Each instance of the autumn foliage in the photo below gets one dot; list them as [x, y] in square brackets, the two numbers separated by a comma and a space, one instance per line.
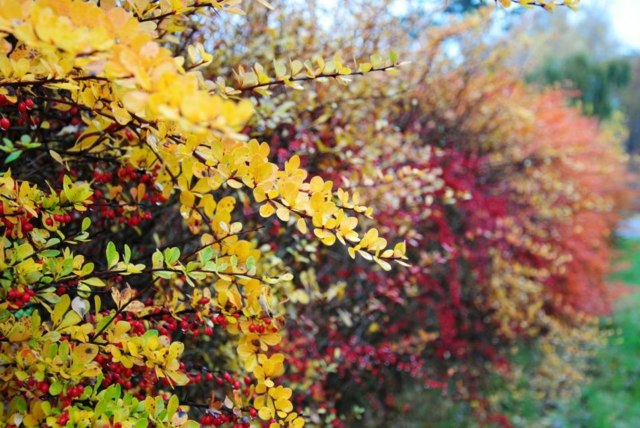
[192, 238]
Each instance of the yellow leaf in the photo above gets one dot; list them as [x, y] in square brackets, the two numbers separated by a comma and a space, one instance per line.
[84, 353]
[267, 210]
[187, 198]
[60, 309]
[135, 306]
[265, 413]
[301, 225]
[283, 213]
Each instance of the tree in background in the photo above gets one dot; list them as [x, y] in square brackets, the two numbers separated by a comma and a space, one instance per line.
[464, 6]
[631, 106]
[581, 52]
[598, 85]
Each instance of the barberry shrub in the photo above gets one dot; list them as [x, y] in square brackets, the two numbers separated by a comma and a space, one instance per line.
[176, 231]
[506, 198]
[139, 284]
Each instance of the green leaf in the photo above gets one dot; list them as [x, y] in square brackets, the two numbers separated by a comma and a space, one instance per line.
[151, 333]
[19, 404]
[86, 393]
[86, 222]
[112, 255]
[23, 251]
[55, 388]
[93, 282]
[164, 274]
[50, 253]
[87, 268]
[31, 145]
[393, 57]
[66, 267]
[157, 259]
[172, 406]
[159, 407]
[191, 266]
[127, 254]
[103, 322]
[142, 423]
[63, 350]
[206, 254]
[101, 408]
[13, 156]
[171, 255]
[53, 241]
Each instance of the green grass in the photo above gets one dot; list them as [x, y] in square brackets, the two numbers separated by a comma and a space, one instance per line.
[629, 261]
[612, 399]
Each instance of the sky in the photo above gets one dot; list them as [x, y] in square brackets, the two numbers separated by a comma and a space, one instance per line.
[625, 17]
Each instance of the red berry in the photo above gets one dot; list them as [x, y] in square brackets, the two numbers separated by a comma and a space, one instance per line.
[29, 103]
[5, 123]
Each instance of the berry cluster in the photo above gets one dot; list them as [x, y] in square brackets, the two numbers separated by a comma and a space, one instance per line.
[125, 197]
[19, 297]
[24, 108]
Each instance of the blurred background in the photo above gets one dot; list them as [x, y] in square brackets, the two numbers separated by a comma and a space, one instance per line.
[593, 56]
[505, 152]
[594, 52]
